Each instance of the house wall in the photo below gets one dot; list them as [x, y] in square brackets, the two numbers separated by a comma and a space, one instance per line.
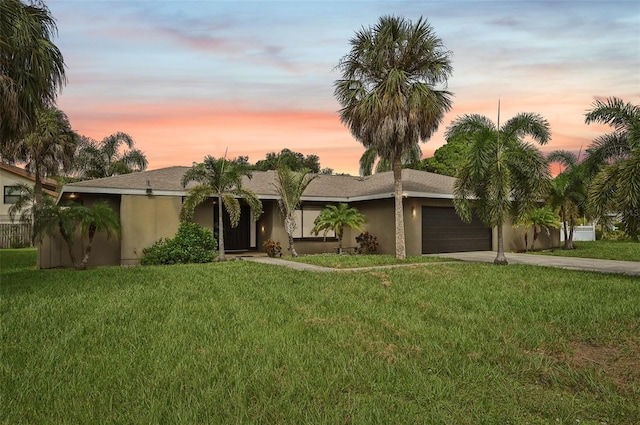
[145, 219]
[514, 238]
[53, 251]
[9, 179]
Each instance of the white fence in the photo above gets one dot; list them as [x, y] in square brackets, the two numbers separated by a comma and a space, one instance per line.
[581, 233]
[15, 235]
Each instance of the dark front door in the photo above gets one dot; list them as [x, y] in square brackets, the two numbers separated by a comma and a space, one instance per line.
[238, 238]
[444, 231]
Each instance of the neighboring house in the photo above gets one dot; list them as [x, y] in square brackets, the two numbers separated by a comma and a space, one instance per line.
[10, 177]
[149, 205]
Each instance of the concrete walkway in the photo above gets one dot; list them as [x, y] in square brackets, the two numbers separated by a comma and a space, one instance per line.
[570, 263]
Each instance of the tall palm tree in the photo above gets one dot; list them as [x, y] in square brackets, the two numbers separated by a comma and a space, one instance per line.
[503, 175]
[615, 158]
[410, 159]
[290, 186]
[568, 192]
[390, 95]
[222, 180]
[336, 218]
[109, 157]
[31, 67]
[48, 148]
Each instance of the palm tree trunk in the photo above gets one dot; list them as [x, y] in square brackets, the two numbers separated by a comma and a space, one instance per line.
[340, 234]
[221, 256]
[399, 210]
[500, 260]
[292, 249]
[87, 252]
[289, 227]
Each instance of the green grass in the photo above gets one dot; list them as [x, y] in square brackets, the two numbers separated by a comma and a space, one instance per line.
[353, 261]
[606, 250]
[241, 342]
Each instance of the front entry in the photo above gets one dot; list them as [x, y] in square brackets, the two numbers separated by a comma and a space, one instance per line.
[238, 238]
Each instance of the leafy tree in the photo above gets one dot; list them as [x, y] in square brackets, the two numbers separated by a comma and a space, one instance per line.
[502, 175]
[389, 93]
[538, 219]
[31, 67]
[295, 161]
[222, 180]
[290, 186]
[447, 159]
[51, 219]
[615, 158]
[568, 192]
[411, 159]
[109, 157]
[48, 148]
[336, 218]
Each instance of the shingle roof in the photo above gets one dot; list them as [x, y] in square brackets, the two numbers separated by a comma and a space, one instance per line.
[167, 181]
[49, 186]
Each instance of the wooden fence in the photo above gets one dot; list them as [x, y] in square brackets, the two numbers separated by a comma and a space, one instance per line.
[15, 235]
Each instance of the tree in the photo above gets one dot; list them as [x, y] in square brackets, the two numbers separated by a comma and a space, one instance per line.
[295, 161]
[389, 93]
[51, 219]
[222, 180]
[503, 175]
[615, 160]
[47, 149]
[290, 186]
[106, 158]
[31, 67]
[568, 192]
[411, 159]
[336, 218]
[538, 219]
[447, 159]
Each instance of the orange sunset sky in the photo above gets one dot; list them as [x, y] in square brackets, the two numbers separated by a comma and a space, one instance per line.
[190, 78]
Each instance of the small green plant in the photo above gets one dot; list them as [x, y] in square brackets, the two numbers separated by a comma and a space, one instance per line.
[191, 244]
[273, 248]
[367, 243]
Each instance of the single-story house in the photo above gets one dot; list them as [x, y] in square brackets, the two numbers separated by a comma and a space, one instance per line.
[11, 177]
[149, 205]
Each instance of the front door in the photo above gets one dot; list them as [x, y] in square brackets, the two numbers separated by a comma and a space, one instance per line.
[238, 238]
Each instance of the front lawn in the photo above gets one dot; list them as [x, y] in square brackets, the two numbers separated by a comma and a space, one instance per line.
[606, 250]
[354, 261]
[241, 342]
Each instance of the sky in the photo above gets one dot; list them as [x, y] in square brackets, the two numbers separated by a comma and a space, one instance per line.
[188, 79]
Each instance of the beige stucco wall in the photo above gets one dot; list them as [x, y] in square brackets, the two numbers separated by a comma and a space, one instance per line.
[145, 219]
[53, 252]
[514, 238]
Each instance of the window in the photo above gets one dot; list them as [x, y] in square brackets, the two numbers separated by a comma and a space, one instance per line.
[304, 221]
[12, 194]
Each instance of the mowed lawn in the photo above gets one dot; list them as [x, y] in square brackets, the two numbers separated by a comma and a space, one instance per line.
[603, 249]
[241, 342]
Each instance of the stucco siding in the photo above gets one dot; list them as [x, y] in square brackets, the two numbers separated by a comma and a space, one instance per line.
[145, 219]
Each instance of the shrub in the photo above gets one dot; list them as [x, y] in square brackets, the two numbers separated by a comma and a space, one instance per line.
[273, 248]
[191, 244]
[367, 243]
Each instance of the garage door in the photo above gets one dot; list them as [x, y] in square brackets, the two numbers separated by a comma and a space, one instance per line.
[444, 231]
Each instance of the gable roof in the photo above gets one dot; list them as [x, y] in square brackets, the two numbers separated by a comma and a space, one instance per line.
[338, 188]
[49, 186]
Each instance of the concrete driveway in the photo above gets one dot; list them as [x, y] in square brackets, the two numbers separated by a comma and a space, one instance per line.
[588, 264]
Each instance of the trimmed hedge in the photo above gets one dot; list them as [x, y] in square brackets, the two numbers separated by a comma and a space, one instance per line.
[191, 244]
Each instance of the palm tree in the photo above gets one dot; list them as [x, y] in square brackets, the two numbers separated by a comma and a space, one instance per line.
[106, 158]
[48, 148]
[290, 186]
[568, 192]
[538, 219]
[335, 218]
[410, 159]
[389, 93]
[31, 67]
[502, 175]
[615, 158]
[221, 179]
[64, 220]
